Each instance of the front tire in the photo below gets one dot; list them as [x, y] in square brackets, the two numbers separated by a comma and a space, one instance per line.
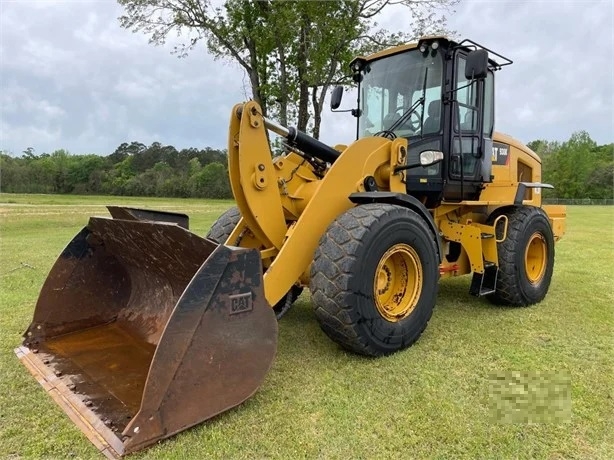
[374, 279]
[526, 258]
[221, 230]
[224, 225]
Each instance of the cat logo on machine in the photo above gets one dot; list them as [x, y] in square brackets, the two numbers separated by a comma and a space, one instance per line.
[240, 303]
[500, 153]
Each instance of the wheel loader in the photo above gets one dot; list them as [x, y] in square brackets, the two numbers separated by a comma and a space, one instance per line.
[144, 328]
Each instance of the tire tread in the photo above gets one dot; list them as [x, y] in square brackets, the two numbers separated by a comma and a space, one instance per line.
[224, 225]
[507, 291]
[332, 270]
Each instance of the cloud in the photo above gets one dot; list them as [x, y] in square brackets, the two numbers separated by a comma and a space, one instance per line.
[71, 78]
[562, 79]
[560, 50]
[90, 87]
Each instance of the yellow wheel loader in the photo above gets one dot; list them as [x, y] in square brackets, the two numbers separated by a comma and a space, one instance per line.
[143, 328]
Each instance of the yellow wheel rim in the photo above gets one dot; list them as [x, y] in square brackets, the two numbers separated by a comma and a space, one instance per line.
[535, 258]
[398, 282]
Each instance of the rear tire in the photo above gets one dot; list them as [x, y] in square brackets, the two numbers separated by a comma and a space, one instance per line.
[221, 230]
[374, 279]
[526, 258]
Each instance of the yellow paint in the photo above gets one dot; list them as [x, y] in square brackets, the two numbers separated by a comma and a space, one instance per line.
[557, 215]
[328, 201]
[252, 176]
[536, 258]
[464, 223]
[470, 236]
[398, 282]
[287, 205]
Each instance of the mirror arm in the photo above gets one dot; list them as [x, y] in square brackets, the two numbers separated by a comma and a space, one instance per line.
[406, 167]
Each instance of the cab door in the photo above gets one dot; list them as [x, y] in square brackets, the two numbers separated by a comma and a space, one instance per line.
[470, 133]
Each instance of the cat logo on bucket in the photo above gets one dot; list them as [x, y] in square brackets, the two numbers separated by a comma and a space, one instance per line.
[240, 303]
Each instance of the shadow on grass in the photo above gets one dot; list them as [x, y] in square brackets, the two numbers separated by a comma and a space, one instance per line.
[454, 294]
[301, 337]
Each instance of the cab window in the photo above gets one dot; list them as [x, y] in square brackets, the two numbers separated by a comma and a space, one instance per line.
[393, 85]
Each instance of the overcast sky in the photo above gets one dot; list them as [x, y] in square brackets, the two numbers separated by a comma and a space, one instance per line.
[71, 78]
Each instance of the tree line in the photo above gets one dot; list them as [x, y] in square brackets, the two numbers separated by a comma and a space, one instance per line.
[132, 169]
[578, 168]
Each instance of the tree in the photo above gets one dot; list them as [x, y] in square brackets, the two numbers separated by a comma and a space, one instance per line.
[125, 150]
[543, 147]
[211, 182]
[577, 168]
[292, 51]
[13, 174]
[84, 173]
[600, 182]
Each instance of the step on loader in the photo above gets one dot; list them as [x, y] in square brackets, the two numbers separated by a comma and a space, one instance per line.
[144, 328]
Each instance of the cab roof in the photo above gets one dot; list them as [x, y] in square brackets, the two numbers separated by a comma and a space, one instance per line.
[446, 42]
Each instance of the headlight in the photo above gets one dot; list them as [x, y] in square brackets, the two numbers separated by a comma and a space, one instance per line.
[430, 157]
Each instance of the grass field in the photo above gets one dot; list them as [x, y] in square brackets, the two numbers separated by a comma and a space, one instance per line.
[434, 400]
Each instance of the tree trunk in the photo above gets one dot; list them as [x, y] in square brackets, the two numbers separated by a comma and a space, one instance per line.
[303, 94]
[283, 97]
[316, 102]
[254, 76]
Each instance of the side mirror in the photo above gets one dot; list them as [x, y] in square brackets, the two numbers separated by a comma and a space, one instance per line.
[476, 67]
[335, 98]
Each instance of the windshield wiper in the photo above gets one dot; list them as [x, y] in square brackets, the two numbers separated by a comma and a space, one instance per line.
[412, 109]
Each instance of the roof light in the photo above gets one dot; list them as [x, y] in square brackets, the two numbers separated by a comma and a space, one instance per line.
[358, 64]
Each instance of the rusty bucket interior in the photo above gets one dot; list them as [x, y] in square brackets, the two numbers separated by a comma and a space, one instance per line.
[139, 319]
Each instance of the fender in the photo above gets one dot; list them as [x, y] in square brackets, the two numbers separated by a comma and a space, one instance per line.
[523, 186]
[401, 199]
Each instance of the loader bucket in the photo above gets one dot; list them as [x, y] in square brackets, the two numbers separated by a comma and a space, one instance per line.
[143, 329]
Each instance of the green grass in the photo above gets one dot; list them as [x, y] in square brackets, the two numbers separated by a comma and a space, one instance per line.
[431, 401]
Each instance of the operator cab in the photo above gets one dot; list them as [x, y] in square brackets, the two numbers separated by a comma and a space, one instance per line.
[440, 96]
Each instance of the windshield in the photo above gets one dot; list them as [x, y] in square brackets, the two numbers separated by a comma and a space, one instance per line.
[392, 85]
